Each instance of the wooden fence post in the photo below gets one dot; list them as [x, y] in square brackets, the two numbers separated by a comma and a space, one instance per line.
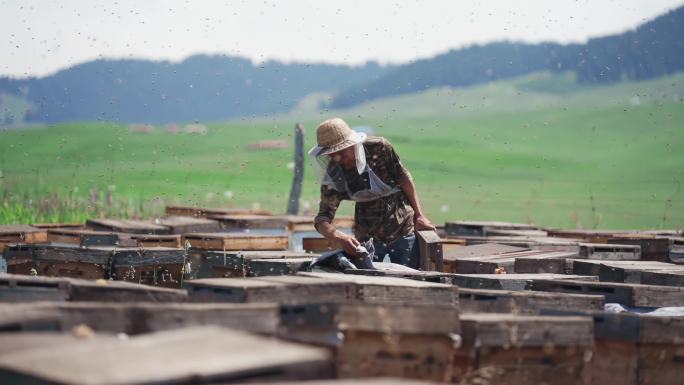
[296, 191]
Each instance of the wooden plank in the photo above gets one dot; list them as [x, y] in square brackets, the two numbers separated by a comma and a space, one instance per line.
[652, 248]
[69, 225]
[613, 362]
[284, 266]
[282, 289]
[15, 288]
[318, 244]
[140, 358]
[152, 240]
[192, 211]
[482, 228]
[372, 354]
[524, 302]
[430, 251]
[533, 243]
[635, 295]
[660, 364]
[155, 266]
[429, 276]
[454, 256]
[126, 226]
[606, 251]
[393, 290]
[542, 264]
[188, 224]
[232, 222]
[21, 234]
[663, 278]
[589, 236]
[500, 330]
[388, 318]
[633, 272]
[236, 241]
[83, 237]
[510, 281]
[137, 318]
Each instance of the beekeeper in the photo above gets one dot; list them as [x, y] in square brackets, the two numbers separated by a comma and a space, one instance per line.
[353, 166]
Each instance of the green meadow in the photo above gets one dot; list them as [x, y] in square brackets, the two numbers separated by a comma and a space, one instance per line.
[537, 149]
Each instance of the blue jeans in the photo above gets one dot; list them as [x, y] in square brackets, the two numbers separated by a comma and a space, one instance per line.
[403, 251]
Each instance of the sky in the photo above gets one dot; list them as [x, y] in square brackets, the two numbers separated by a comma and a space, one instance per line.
[42, 37]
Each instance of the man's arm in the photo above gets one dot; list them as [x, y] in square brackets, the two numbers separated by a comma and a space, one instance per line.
[330, 200]
[421, 222]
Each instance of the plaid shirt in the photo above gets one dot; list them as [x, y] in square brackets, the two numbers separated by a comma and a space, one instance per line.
[384, 219]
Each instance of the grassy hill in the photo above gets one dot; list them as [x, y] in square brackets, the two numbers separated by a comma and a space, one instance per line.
[533, 149]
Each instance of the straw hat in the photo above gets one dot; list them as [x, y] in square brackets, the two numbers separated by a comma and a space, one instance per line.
[335, 134]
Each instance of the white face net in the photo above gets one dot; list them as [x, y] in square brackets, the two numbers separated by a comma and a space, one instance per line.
[331, 174]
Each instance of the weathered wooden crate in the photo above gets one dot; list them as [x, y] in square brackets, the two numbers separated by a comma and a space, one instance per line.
[653, 248]
[379, 340]
[388, 290]
[589, 236]
[155, 266]
[635, 349]
[216, 264]
[605, 251]
[58, 260]
[192, 211]
[218, 355]
[22, 288]
[126, 226]
[514, 349]
[83, 237]
[429, 276]
[282, 289]
[634, 295]
[454, 256]
[236, 241]
[430, 251]
[524, 302]
[634, 272]
[503, 263]
[236, 222]
[482, 229]
[137, 317]
[271, 266]
[544, 264]
[152, 240]
[533, 243]
[10, 234]
[510, 281]
[318, 244]
[187, 224]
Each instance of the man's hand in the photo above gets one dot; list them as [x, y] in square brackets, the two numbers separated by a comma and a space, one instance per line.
[421, 222]
[348, 242]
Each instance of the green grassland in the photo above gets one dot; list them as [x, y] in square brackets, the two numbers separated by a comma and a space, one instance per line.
[535, 149]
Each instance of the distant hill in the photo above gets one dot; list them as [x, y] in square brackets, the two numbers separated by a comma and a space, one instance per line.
[207, 88]
[199, 88]
[654, 49]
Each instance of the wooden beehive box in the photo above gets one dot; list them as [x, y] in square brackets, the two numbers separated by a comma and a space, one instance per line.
[318, 244]
[155, 266]
[216, 264]
[452, 257]
[510, 281]
[388, 290]
[283, 289]
[636, 271]
[634, 295]
[21, 234]
[524, 302]
[22, 288]
[483, 228]
[58, 260]
[236, 241]
[605, 251]
[192, 211]
[514, 349]
[653, 248]
[373, 340]
[126, 226]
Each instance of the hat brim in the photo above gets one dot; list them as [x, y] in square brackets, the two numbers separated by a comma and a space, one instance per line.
[354, 138]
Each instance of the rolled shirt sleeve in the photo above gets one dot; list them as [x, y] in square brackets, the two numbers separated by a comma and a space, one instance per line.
[330, 201]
